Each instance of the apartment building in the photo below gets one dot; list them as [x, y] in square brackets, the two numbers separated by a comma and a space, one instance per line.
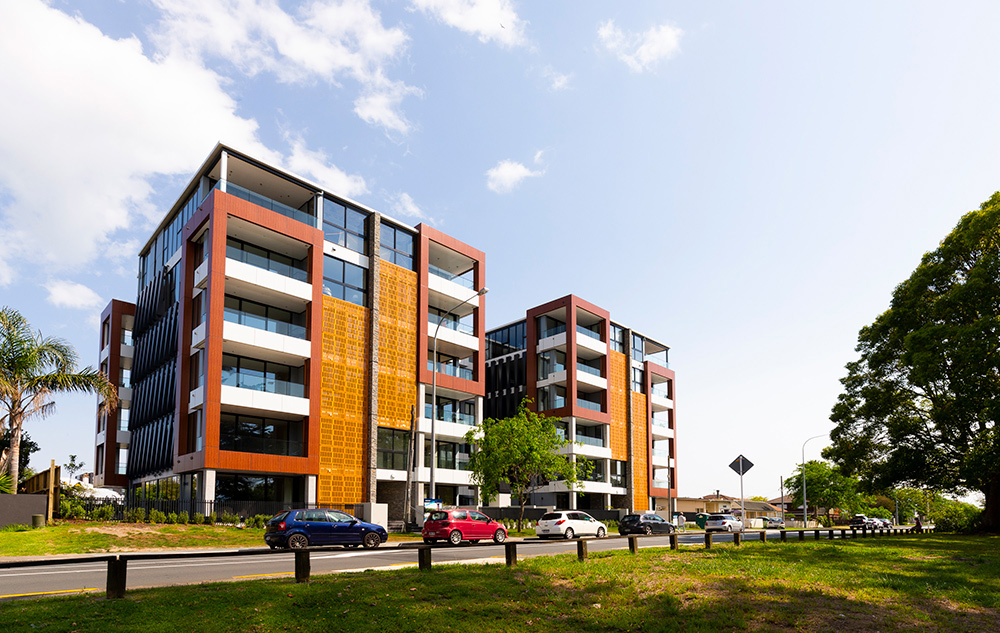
[611, 388]
[281, 350]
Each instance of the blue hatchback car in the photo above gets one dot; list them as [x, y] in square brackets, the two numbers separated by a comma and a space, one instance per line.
[301, 528]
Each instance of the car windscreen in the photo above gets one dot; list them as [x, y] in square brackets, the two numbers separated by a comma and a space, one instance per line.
[437, 516]
[551, 516]
[630, 518]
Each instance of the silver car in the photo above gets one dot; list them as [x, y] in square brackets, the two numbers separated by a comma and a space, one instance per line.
[723, 523]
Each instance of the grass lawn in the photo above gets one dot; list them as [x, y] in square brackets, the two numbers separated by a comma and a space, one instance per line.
[931, 583]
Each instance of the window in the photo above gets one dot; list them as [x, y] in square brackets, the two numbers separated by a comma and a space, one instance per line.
[123, 419]
[105, 333]
[396, 246]
[250, 373]
[617, 338]
[99, 460]
[344, 280]
[264, 317]
[122, 459]
[450, 456]
[249, 434]
[344, 225]
[638, 348]
[619, 473]
[268, 260]
[638, 380]
[393, 445]
[194, 432]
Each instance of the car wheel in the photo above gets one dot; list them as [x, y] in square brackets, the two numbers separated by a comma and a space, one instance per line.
[570, 533]
[601, 532]
[298, 541]
[371, 540]
[499, 536]
[729, 528]
[430, 540]
[670, 528]
[455, 537]
[648, 530]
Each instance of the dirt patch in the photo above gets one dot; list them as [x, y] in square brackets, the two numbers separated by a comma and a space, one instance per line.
[121, 530]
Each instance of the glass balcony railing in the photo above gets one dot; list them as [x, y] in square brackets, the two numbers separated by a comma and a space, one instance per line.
[661, 483]
[263, 201]
[661, 453]
[126, 337]
[258, 382]
[595, 476]
[451, 324]
[451, 416]
[263, 323]
[552, 402]
[262, 445]
[587, 404]
[590, 441]
[588, 369]
[261, 261]
[451, 370]
[552, 331]
[461, 280]
[661, 390]
[618, 481]
[588, 333]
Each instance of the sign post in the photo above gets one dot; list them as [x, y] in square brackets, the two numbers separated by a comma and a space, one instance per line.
[741, 465]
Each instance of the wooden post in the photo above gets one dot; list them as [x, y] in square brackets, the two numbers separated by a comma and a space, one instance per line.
[581, 550]
[843, 533]
[424, 556]
[673, 540]
[510, 549]
[815, 535]
[737, 538]
[802, 535]
[763, 536]
[302, 565]
[117, 571]
[51, 493]
[633, 544]
[708, 540]
[784, 536]
[830, 535]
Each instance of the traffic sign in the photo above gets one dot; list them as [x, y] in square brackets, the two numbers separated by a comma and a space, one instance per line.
[741, 465]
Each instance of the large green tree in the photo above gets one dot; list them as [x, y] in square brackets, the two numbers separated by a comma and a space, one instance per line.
[826, 488]
[521, 451]
[27, 448]
[32, 369]
[920, 406]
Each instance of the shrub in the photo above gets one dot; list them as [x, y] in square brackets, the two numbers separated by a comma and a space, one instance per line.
[198, 518]
[259, 521]
[104, 513]
[210, 519]
[157, 516]
[182, 518]
[228, 518]
[171, 518]
[956, 517]
[64, 509]
[137, 515]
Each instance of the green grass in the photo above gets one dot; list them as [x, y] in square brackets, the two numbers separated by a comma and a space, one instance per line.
[932, 583]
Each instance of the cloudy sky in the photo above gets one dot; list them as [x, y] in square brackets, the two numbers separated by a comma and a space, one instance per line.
[745, 183]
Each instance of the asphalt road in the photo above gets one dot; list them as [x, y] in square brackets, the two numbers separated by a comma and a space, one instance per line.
[91, 576]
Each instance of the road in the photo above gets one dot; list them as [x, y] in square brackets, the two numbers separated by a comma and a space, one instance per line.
[92, 576]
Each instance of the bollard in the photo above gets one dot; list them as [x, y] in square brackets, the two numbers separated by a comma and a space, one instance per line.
[37, 520]
[117, 570]
[854, 532]
[784, 536]
[763, 536]
[802, 535]
[581, 550]
[424, 557]
[301, 565]
[737, 538]
[815, 535]
[830, 535]
[673, 540]
[510, 549]
[633, 544]
[843, 533]
[708, 540]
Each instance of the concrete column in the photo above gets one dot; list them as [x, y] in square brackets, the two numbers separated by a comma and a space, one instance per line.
[311, 489]
[319, 210]
[206, 491]
[223, 170]
[374, 287]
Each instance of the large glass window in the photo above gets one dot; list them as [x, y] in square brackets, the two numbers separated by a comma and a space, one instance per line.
[250, 373]
[253, 488]
[263, 317]
[268, 260]
[248, 434]
[505, 340]
[617, 338]
[344, 225]
[638, 380]
[451, 410]
[619, 473]
[393, 445]
[344, 280]
[396, 246]
[638, 348]
[450, 455]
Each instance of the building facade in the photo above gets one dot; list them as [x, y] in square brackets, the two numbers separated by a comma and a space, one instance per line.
[611, 388]
[280, 350]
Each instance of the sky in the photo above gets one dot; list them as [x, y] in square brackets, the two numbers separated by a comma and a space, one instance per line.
[744, 182]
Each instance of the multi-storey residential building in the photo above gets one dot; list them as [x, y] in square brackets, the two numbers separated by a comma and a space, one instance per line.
[281, 349]
[610, 386]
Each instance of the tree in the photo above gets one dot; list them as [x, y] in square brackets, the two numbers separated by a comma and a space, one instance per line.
[920, 406]
[28, 447]
[73, 467]
[521, 451]
[826, 488]
[32, 369]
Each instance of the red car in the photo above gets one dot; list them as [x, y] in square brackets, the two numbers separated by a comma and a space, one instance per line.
[456, 526]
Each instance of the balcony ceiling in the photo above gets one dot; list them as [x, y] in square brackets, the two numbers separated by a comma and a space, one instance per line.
[263, 182]
[447, 259]
[265, 238]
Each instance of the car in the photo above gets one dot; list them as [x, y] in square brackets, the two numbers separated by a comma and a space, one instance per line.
[723, 523]
[456, 526]
[882, 523]
[647, 523]
[862, 522]
[295, 529]
[568, 524]
[773, 522]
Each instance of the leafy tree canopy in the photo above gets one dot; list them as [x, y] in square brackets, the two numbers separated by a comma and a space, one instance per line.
[920, 405]
[28, 446]
[826, 488]
[521, 451]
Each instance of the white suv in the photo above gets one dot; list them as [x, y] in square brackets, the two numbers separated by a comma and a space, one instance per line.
[723, 523]
[567, 524]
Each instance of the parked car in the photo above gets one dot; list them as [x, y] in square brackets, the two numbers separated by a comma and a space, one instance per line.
[456, 526]
[883, 523]
[723, 523]
[296, 529]
[860, 521]
[647, 523]
[567, 524]
[773, 522]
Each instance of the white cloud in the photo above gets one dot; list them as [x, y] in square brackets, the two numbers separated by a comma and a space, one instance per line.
[69, 294]
[557, 81]
[315, 164]
[489, 20]
[641, 51]
[507, 175]
[403, 205]
[325, 39]
[95, 120]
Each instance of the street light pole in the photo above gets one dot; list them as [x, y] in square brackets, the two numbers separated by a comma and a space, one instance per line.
[434, 390]
[805, 504]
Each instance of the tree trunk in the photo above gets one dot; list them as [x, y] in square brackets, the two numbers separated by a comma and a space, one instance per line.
[991, 511]
[15, 455]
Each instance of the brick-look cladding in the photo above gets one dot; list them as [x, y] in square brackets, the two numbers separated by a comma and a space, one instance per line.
[619, 382]
[343, 452]
[640, 453]
[397, 384]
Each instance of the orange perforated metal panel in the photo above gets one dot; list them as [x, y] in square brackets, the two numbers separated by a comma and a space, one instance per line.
[618, 389]
[640, 453]
[343, 436]
[397, 353]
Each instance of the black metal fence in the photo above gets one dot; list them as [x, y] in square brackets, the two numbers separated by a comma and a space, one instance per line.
[178, 511]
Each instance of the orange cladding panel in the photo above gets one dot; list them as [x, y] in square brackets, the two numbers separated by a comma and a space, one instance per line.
[640, 453]
[397, 352]
[618, 389]
[343, 448]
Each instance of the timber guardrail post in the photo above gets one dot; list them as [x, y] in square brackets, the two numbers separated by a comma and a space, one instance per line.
[802, 535]
[302, 565]
[737, 538]
[581, 550]
[763, 536]
[784, 536]
[117, 571]
[424, 556]
[673, 541]
[708, 540]
[510, 550]
[829, 535]
[633, 544]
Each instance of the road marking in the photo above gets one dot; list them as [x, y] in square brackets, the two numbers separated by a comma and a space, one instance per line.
[280, 573]
[50, 593]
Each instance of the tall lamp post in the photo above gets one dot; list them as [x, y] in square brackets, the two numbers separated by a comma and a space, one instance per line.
[805, 504]
[434, 389]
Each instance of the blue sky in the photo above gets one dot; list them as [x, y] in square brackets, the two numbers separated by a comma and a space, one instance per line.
[746, 183]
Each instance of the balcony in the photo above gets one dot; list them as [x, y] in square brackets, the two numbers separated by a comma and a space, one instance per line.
[273, 205]
[589, 379]
[661, 429]
[451, 370]
[454, 337]
[465, 279]
[590, 441]
[266, 324]
[262, 445]
[587, 404]
[588, 333]
[455, 417]
[243, 340]
[660, 457]
[266, 283]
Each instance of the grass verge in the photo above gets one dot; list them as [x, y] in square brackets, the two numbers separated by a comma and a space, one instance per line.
[936, 583]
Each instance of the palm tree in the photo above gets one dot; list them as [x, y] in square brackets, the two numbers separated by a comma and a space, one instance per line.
[32, 368]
